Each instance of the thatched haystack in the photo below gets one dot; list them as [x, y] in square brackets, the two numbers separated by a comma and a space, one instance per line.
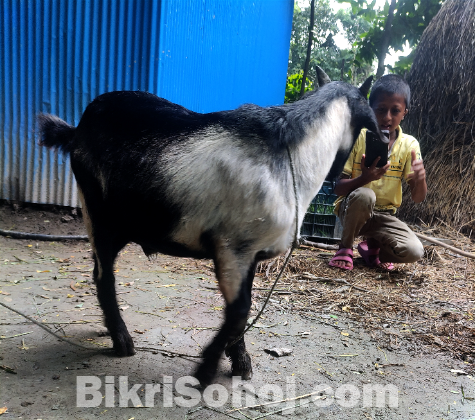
[442, 117]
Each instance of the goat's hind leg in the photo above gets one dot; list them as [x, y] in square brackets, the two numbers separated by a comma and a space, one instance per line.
[106, 244]
[106, 294]
[105, 250]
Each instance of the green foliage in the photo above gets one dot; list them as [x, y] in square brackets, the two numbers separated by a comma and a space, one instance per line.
[411, 17]
[403, 66]
[337, 63]
[324, 26]
[294, 84]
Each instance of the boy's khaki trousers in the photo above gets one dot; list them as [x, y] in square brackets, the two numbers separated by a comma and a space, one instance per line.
[396, 241]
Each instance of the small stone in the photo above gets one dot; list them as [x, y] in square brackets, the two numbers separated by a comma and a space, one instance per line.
[278, 352]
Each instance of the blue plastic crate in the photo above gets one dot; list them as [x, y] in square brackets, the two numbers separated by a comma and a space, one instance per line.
[320, 221]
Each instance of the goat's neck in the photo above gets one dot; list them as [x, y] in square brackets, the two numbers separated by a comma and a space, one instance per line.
[315, 155]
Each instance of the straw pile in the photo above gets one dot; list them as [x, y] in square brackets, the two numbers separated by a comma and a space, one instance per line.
[442, 117]
[427, 307]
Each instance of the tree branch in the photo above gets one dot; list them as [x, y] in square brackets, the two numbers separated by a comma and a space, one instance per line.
[309, 47]
[385, 40]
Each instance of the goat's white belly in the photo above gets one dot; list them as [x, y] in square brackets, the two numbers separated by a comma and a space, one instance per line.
[270, 234]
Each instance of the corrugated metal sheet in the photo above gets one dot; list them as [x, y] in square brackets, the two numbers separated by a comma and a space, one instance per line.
[57, 55]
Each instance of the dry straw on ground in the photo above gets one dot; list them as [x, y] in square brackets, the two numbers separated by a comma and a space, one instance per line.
[442, 116]
[427, 306]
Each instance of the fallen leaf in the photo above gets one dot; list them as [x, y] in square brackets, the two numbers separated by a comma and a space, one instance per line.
[43, 271]
[3, 410]
[130, 283]
[4, 293]
[167, 285]
[69, 295]
[139, 332]
[345, 333]
[72, 286]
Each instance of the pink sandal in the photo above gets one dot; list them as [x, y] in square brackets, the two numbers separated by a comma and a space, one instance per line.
[367, 253]
[343, 254]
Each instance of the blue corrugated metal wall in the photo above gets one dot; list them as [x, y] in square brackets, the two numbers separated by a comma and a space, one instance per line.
[57, 55]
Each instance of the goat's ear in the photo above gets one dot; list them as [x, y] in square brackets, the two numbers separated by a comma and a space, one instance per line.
[323, 78]
[364, 88]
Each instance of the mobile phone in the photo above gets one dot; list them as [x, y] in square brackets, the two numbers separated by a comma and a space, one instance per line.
[374, 148]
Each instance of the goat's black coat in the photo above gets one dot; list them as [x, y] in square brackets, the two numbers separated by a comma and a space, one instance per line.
[214, 185]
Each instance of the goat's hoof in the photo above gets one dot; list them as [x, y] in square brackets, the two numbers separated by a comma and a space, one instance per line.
[123, 344]
[205, 375]
[244, 374]
[243, 367]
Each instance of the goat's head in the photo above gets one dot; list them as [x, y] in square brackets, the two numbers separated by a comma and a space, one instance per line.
[363, 115]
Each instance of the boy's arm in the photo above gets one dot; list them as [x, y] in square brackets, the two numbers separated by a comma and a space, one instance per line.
[417, 179]
[346, 185]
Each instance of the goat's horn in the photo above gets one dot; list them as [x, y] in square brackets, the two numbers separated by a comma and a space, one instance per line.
[364, 88]
[323, 78]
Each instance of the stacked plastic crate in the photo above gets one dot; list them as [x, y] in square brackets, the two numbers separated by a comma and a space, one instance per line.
[320, 221]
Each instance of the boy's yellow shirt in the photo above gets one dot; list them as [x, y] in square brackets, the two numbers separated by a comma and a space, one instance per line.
[388, 189]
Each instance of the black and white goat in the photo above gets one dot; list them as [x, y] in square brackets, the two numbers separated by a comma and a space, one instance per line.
[215, 185]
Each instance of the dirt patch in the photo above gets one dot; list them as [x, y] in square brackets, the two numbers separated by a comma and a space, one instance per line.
[409, 330]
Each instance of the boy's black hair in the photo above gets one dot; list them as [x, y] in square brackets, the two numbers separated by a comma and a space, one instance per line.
[390, 84]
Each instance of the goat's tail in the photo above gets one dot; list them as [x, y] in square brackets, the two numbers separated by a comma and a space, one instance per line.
[56, 133]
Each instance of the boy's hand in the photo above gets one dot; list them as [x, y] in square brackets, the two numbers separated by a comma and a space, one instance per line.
[418, 172]
[417, 179]
[372, 173]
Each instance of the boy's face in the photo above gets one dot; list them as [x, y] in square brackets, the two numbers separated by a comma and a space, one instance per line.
[389, 111]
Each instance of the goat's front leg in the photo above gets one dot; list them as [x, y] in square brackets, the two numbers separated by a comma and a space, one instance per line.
[241, 361]
[236, 289]
[234, 324]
